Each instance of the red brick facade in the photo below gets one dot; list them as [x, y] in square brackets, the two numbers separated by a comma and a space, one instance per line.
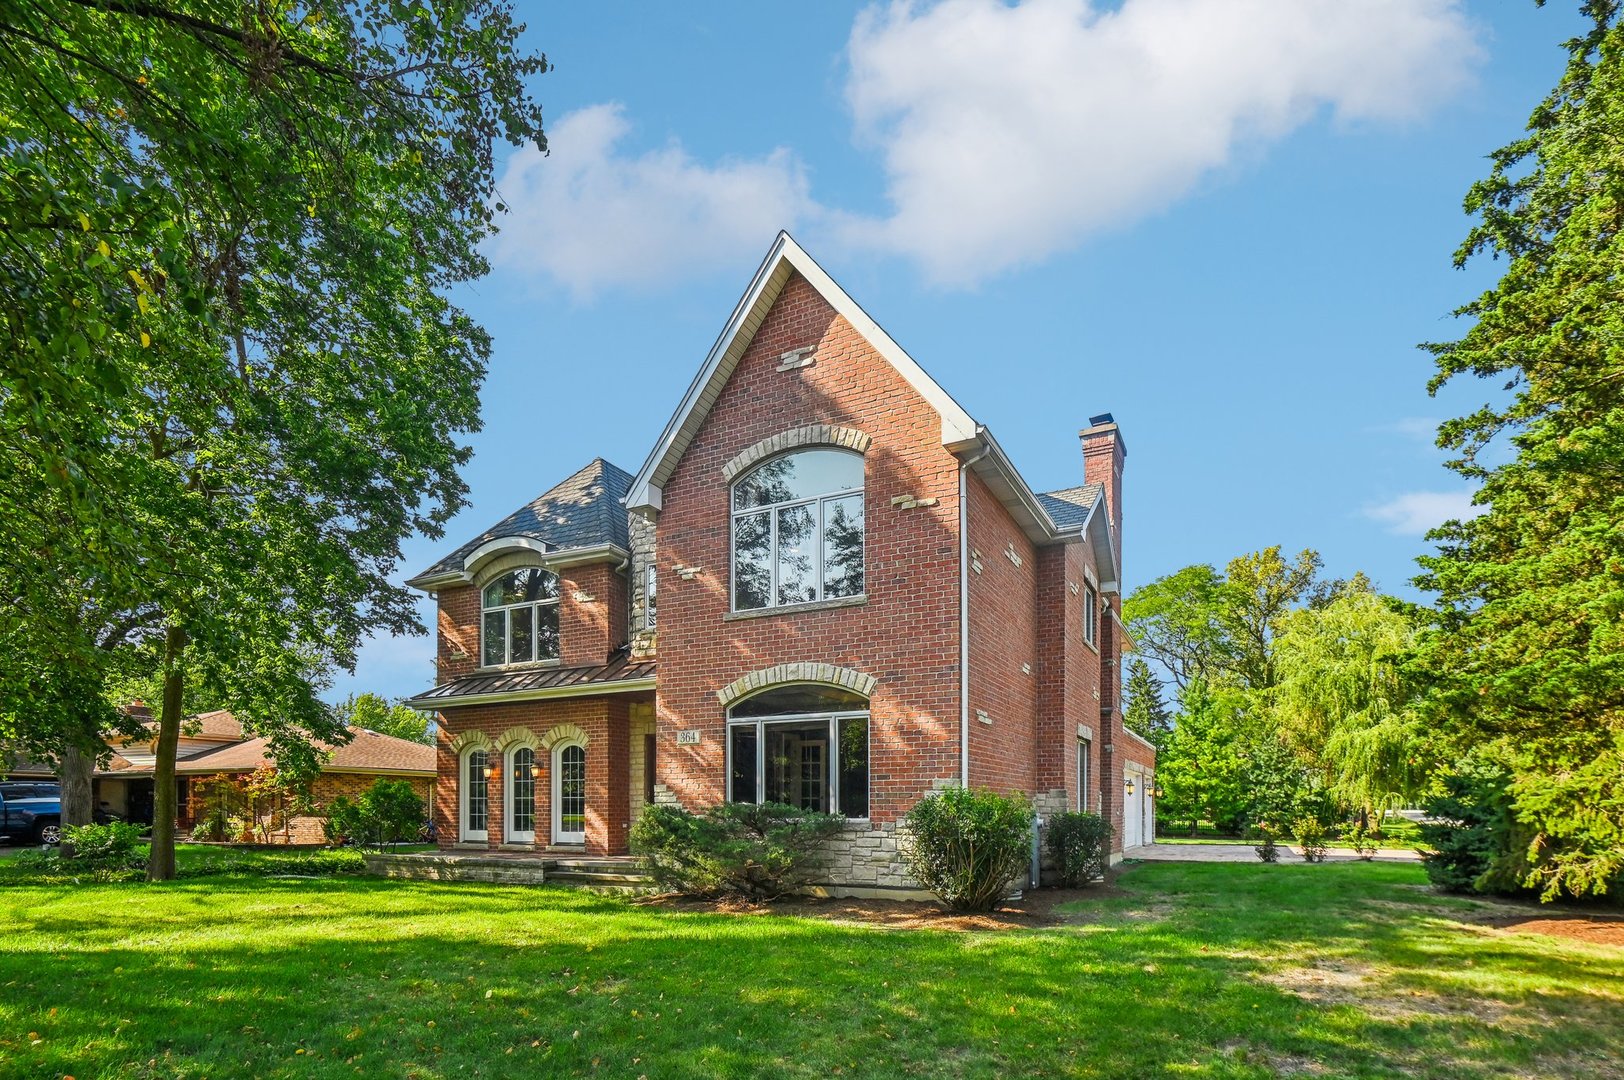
[1036, 687]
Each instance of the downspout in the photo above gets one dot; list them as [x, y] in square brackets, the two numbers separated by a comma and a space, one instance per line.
[964, 615]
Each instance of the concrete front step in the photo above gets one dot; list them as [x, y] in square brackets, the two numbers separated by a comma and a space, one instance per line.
[602, 874]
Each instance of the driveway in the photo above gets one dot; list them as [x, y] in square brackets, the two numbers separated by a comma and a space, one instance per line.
[1244, 853]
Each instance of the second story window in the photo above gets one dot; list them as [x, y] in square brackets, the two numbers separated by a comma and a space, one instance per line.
[1091, 614]
[520, 618]
[798, 530]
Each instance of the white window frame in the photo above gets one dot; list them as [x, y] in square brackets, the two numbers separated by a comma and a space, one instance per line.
[760, 723]
[507, 611]
[772, 510]
[559, 835]
[1091, 614]
[510, 778]
[463, 831]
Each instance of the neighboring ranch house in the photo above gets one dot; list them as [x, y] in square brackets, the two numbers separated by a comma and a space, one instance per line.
[826, 586]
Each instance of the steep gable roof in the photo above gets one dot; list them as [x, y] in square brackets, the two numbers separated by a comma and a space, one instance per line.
[582, 512]
[785, 258]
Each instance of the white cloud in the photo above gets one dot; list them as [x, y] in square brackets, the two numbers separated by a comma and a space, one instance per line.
[1010, 133]
[590, 215]
[1417, 512]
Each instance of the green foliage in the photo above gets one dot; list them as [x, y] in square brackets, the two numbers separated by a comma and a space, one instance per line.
[1080, 844]
[1200, 767]
[1310, 836]
[1262, 838]
[1342, 703]
[967, 845]
[1527, 651]
[385, 814]
[232, 381]
[761, 851]
[115, 845]
[374, 713]
[1471, 830]
[1361, 838]
[1177, 621]
[1145, 713]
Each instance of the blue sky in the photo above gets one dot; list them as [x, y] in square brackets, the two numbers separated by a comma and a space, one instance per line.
[1228, 222]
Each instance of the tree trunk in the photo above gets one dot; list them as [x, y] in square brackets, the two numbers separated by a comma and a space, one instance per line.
[161, 864]
[75, 768]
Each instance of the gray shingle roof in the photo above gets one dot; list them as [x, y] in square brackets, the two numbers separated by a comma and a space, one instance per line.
[580, 512]
[1069, 506]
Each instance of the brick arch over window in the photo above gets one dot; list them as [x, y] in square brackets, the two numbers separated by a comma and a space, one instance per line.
[810, 435]
[471, 740]
[782, 674]
[516, 738]
[563, 733]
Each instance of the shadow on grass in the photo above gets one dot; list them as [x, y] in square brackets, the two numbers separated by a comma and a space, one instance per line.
[394, 979]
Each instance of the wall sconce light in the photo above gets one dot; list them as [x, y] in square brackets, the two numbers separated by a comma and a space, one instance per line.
[490, 770]
[1156, 792]
[1129, 784]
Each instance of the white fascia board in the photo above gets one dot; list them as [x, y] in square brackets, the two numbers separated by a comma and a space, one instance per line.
[785, 254]
[1006, 482]
[431, 583]
[624, 686]
[558, 560]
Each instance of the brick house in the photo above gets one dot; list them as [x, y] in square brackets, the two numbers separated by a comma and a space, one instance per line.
[827, 585]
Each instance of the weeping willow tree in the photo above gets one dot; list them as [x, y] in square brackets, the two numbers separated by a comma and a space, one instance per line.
[1341, 702]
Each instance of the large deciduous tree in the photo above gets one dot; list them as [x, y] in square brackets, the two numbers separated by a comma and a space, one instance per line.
[1528, 651]
[232, 381]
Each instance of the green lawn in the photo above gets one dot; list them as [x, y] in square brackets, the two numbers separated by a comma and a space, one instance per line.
[1188, 970]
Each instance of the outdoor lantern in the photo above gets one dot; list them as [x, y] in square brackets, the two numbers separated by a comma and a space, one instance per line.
[490, 770]
[1156, 792]
[1129, 783]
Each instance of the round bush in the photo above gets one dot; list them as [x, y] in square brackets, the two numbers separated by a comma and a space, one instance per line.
[967, 845]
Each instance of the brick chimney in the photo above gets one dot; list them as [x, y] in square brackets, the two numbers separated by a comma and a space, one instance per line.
[1104, 452]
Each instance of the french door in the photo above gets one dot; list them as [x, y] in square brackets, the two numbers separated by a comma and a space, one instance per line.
[569, 795]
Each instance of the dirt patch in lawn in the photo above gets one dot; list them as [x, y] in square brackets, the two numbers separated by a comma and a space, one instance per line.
[1339, 982]
[1036, 909]
[1594, 929]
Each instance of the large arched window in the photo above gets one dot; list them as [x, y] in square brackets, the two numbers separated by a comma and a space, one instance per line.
[520, 617]
[805, 745]
[798, 530]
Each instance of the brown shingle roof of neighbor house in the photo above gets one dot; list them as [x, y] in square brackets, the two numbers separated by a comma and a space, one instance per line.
[368, 751]
[619, 675]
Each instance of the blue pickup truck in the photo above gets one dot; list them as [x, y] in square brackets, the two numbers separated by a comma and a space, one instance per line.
[30, 812]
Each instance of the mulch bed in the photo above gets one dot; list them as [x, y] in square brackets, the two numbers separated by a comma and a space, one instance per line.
[1595, 929]
[1035, 909]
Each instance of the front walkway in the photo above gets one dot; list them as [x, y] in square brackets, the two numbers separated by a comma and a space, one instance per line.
[1244, 853]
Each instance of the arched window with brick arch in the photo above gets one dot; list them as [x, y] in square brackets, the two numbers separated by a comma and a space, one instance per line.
[803, 744]
[798, 529]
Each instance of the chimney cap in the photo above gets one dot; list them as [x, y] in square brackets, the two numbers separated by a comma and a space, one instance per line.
[1102, 418]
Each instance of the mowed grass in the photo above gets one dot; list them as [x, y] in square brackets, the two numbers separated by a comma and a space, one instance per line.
[1185, 970]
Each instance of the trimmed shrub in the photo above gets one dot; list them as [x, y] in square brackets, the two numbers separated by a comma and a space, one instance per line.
[114, 846]
[966, 845]
[1262, 837]
[1080, 844]
[733, 849]
[1362, 839]
[303, 862]
[383, 815]
[1310, 836]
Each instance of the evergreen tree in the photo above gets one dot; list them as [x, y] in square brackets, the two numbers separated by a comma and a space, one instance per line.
[1528, 649]
[1145, 714]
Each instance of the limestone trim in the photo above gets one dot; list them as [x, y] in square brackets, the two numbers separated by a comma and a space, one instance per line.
[471, 740]
[809, 435]
[505, 562]
[801, 672]
[564, 734]
[517, 738]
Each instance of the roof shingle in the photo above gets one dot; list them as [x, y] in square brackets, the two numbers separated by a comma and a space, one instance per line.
[582, 511]
[1069, 507]
[621, 668]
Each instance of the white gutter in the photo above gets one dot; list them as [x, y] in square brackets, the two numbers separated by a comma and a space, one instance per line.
[964, 616]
